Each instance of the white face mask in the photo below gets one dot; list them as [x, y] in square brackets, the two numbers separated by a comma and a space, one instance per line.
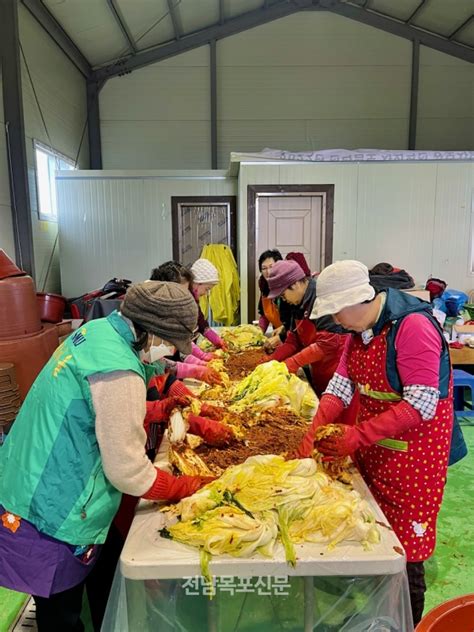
[157, 352]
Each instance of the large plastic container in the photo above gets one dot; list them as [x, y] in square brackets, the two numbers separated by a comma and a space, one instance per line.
[19, 314]
[29, 354]
[7, 267]
[455, 615]
[51, 307]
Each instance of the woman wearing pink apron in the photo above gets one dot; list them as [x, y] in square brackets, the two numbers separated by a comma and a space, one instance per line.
[398, 361]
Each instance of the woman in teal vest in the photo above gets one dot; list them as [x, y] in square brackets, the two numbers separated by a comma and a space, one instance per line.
[78, 444]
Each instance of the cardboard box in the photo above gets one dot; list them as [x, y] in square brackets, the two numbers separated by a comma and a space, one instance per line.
[464, 334]
[423, 294]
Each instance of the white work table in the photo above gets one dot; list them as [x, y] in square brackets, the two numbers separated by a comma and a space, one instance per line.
[151, 567]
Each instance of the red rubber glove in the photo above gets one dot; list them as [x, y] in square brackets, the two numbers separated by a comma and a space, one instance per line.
[213, 432]
[291, 365]
[289, 348]
[174, 488]
[330, 407]
[160, 410]
[212, 412]
[178, 389]
[308, 355]
[391, 423]
[206, 374]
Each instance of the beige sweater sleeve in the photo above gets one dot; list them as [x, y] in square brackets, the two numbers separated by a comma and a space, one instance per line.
[119, 400]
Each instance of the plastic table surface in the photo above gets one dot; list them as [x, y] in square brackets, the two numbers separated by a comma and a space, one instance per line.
[146, 555]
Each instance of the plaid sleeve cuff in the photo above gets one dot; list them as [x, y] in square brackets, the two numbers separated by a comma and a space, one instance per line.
[424, 399]
[341, 387]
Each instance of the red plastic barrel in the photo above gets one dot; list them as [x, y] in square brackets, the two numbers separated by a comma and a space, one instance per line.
[455, 615]
[51, 307]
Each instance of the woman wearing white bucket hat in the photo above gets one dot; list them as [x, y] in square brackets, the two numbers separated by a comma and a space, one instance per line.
[398, 361]
[206, 277]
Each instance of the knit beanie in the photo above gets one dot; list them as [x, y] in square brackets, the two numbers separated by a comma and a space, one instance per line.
[300, 260]
[167, 310]
[204, 272]
[282, 275]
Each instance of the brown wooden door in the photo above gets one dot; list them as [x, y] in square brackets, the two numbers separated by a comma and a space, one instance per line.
[198, 221]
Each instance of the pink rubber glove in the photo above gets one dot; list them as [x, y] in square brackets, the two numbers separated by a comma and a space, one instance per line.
[174, 488]
[263, 323]
[202, 355]
[215, 339]
[190, 359]
[203, 373]
[213, 432]
[391, 423]
[330, 407]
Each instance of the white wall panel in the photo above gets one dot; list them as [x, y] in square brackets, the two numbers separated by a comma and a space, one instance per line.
[315, 93]
[171, 144]
[445, 103]
[313, 39]
[395, 216]
[113, 225]
[453, 227]
[61, 92]
[158, 117]
[312, 80]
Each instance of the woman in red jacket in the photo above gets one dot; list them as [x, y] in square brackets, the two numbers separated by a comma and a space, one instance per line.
[317, 344]
[398, 361]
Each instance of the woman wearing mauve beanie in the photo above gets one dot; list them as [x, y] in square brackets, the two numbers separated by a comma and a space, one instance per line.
[319, 344]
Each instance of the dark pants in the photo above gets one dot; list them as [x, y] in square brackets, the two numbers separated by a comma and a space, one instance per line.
[61, 612]
[416, 582]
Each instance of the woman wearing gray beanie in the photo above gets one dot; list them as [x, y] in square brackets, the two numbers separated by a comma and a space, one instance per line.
[87, 408]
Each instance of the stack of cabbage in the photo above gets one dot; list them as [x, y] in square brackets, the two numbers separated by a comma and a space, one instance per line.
[266, 499]
[269, 385]
[239, 338]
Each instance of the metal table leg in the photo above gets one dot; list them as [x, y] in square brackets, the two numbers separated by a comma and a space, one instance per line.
[308, 604]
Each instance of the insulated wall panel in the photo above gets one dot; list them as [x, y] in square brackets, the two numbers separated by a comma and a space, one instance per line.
[118, 225]
[61, 92]
[158, 117]
[453, 242]
[395, 216]
[445, 102]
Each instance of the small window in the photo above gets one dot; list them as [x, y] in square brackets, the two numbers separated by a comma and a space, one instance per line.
[48, 161]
